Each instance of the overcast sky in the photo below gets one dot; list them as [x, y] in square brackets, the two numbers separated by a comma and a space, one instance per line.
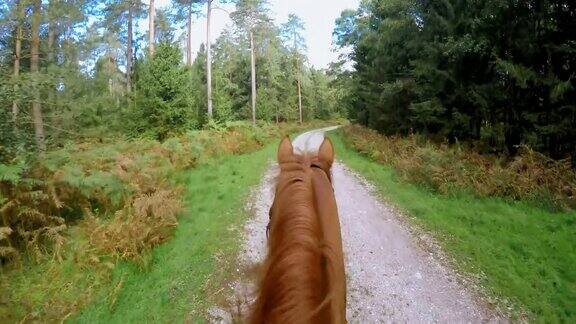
[318, 16]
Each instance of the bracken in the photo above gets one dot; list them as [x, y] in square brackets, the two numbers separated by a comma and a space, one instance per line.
[529, 176]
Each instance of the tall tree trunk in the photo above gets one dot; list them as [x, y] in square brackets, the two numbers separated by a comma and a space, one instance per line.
[34, 68]
[299, 77]
[299, 99]
[50, 54]
[129, 50]
[189, 38]
[253, 65]
[17, 54]
[208, 59]
[51, 38]
[151, 27]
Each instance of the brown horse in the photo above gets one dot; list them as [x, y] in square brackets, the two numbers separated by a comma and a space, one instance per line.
[303, 278]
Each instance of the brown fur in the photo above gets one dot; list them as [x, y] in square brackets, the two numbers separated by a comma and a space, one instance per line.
[303, 278]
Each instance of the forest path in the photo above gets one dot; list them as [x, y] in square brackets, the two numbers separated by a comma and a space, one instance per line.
[394, 273]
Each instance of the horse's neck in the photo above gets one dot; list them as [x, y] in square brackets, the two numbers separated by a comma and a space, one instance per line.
[294, 281]
[315, 270]
[327, 212]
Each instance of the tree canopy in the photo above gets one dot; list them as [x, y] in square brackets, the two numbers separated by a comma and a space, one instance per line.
[499, 73]
[73, 69]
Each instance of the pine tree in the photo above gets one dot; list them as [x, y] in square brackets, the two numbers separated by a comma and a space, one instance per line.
[291, 31]
[492, 71]
[163, 101]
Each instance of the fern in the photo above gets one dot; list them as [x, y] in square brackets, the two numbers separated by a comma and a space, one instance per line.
[5, 233]
[123, 190]
[11, 172]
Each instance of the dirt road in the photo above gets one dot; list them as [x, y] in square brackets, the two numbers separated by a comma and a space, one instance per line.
[393, 275]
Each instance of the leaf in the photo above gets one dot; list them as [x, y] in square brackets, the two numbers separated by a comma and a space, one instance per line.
[11, 172]
[5, 232]
[6, 251]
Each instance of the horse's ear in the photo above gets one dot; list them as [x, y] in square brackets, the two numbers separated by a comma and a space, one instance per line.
[285, 150]
[326, 152]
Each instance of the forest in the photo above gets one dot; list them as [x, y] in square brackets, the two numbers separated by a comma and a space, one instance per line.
[496, 73]
[78, 69]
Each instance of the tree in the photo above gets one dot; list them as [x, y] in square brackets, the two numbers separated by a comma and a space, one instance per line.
[91, 73]
[164, 29]
[34, 69]
[163, 101]
[185, 10]
[19, 21]
[120, 14]
[489, 72]
[208, 58]
[151, 27]
[209, 55]
[292, 33]
[249, 15]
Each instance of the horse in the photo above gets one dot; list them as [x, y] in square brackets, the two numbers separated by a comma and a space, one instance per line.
[303, 278]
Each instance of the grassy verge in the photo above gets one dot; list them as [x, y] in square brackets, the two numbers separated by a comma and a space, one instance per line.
[177, 284]
[86, 228]
[524, 255]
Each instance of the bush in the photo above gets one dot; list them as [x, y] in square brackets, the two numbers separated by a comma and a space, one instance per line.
[529, 176]
[123, 194]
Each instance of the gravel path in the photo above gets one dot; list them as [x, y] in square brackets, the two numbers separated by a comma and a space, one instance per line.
[390, 276]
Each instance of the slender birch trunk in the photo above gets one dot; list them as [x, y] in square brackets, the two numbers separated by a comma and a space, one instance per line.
[50, 55]
[189, 38]
[300, 99]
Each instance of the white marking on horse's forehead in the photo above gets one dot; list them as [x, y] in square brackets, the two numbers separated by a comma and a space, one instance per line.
[309, 142]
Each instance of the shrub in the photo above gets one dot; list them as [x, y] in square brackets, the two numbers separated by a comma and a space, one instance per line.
[529, 176]
[144, 223]
[123, 193]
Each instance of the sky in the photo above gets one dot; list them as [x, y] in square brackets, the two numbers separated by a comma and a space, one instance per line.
[318, 17]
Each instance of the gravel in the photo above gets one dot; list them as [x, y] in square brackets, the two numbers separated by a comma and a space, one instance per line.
[391, 276]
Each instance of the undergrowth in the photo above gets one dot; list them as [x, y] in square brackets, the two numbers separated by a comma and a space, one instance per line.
[183, 276]
[91, 205]
[524, 255]
[530, 176]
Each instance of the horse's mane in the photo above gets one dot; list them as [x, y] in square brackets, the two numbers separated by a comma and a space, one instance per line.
[296, 283]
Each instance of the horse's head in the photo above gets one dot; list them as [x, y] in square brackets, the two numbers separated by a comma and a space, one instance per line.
[322, 159]
[297, 169]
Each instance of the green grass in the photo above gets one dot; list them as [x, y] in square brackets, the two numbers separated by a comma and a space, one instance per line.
[173, 282]
[176, 287]
[522, 253]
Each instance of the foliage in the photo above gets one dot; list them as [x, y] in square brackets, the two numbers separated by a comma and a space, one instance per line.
[163, 96]
[497, 72]
[97, 80]
[529, 176]
[186, 272]
[90, 206]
